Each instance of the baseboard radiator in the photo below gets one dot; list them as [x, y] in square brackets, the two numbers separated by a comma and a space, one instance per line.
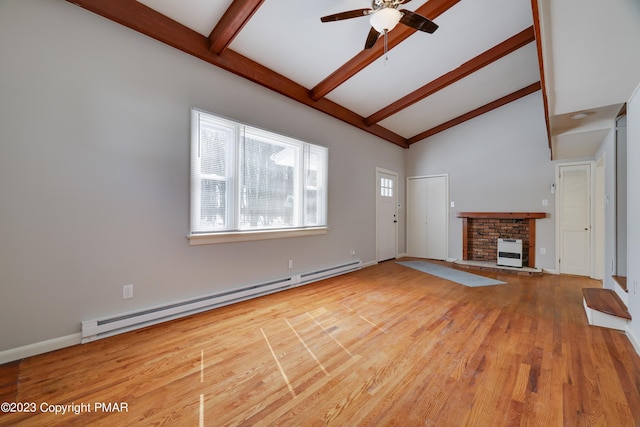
[325, 273]
[109, 326]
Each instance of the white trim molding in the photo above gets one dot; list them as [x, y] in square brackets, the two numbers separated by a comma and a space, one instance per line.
[633, 340]
[46, 346]
[246, 236]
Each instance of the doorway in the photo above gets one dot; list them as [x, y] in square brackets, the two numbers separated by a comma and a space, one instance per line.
[386, 214]
[427, 216]
[599, 238]
[574, 218]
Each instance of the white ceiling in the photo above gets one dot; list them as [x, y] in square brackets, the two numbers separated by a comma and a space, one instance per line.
[496, 80]
[289, 39]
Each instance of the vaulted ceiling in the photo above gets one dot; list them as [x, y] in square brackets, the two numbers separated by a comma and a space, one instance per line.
[484, 54]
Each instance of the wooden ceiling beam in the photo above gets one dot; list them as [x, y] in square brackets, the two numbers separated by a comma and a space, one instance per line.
[431, 9]
[506, 47]
[477, 112]
[236, 16]
[147, 21]
[538, 30]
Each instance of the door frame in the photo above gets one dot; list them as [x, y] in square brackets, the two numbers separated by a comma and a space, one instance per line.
[599, 221]
[591, 254]
[395, 205]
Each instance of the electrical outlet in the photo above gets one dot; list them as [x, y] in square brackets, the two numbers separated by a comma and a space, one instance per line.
[543, 251]
[127, 291]
[290, 264]
[353, 252]
[545, 202]
[453, 204]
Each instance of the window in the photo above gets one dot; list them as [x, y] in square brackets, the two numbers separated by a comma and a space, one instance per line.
[386, 187]
[245, 179]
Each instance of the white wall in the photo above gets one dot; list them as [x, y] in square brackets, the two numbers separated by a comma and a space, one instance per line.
[633, 213]
[621, 193]
[497, 162]
[94, 174]
[608, 150]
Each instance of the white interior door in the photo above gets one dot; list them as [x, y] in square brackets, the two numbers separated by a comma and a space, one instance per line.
[437, 217]
[386, 215]
[417, 217]
[427, 210]
[574, 204]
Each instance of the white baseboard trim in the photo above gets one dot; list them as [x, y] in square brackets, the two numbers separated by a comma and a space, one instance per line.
[369, 264]
[549, 271]
[29, 350]
[634, 341]
[451, 259]
[46, 346]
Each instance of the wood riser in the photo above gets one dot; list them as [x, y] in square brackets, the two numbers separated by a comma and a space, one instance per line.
[597, 318]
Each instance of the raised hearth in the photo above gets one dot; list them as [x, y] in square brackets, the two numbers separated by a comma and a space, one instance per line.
[481, 231]
[492, 266]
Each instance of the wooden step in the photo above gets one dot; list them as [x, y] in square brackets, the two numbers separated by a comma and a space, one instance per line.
[605, 301]
[622, 281]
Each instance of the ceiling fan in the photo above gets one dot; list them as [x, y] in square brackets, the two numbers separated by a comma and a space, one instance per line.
[385, 15]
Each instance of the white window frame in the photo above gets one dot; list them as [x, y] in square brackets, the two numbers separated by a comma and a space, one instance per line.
[233, 231]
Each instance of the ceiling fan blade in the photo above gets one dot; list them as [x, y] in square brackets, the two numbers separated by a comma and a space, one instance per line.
[371, 38]
[418, 22]
[346, 15]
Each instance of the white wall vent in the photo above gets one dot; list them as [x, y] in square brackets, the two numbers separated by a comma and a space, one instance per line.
[510, 252]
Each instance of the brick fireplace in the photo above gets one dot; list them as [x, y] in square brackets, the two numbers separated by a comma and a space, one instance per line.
[481, 231]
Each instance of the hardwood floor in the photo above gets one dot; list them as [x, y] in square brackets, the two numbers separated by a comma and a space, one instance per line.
[387, 345]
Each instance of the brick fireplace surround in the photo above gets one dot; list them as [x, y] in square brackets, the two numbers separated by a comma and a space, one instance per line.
[481, 231]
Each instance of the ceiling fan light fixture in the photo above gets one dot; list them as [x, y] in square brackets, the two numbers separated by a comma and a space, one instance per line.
[384, 20]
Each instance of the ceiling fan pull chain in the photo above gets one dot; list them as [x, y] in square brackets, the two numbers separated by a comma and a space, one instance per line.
[386, 57]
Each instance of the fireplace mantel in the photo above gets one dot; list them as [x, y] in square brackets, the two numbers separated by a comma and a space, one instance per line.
[529, 217]
[503, 215]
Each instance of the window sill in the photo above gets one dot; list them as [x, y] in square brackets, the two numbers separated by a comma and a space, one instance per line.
[247, 236]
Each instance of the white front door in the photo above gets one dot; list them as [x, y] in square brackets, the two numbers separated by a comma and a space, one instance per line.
[574, 216]
[386, 215]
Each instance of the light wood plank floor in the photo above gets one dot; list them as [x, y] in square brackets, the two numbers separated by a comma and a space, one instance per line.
[387, 345]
